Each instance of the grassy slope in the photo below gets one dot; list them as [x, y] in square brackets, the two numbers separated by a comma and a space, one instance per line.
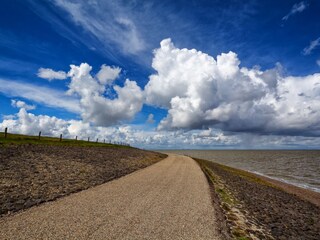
[25, 139]
[34, 171]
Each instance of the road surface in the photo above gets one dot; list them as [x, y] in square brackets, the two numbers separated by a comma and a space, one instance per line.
[168, 200]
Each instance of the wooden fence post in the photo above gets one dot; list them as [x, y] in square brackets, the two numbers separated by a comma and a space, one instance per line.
[39, 135]
[60, 137]
[97, 140]
[104, 141]
[88, 139]
[5, 132]
[76, 138]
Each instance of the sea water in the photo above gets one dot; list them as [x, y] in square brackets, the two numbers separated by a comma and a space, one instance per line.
[300, 168]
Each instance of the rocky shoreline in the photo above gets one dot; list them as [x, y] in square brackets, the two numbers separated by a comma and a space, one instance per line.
[31, 174]
[278, 210]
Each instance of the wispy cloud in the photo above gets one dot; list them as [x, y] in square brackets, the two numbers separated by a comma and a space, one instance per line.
[313, 45]
[121, 29]
[109, 28]
[27, 48]
[318, 62]
[14, 66]
[106, 22]
[46, 96]
[296, 8]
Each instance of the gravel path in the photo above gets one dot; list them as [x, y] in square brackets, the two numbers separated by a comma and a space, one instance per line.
[168, 200]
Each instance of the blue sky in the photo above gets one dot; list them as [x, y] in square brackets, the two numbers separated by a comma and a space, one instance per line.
[276, 41]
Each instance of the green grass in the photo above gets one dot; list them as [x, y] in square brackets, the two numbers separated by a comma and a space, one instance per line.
[224, 196]
[25, 139]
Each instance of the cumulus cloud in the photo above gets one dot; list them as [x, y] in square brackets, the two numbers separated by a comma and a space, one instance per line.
[49, 74]
[95, 97]
[108, 74]
[296, 8]
[31, 124]
[22, 104]
[312, 46]
[211, 101]
[201, 92]
[95, 106]
[28, 123]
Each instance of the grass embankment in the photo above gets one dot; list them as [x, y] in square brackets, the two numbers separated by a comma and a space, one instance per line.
[258, 209]
[33, 173]
[25, 139]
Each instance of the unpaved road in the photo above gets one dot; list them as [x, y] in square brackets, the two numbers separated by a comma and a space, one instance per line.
[168, 200]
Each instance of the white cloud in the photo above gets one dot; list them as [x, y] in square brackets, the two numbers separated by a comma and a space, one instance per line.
[210, 101]
[22, 104]
[43, 95]
[107, 74]
[117, 28]
[95, 98]
[107, 22]
[298, 106]
[313, 45]
[296, 8]
[150, 119]
[201, 92]
[50, 74]
[98, 108]
[27, 123]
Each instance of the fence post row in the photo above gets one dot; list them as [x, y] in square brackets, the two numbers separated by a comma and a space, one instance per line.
[104, 140]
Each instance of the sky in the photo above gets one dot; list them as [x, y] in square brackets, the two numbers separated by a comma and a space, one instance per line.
[163, 74]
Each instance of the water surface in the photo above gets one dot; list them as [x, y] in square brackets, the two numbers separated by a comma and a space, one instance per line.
[300, 168]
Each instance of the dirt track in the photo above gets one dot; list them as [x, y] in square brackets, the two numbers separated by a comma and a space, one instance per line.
[168, 200]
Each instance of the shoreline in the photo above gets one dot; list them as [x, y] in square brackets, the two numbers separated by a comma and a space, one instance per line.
[299, 185]
[256, 162]
[258, 207]
[304, 193]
